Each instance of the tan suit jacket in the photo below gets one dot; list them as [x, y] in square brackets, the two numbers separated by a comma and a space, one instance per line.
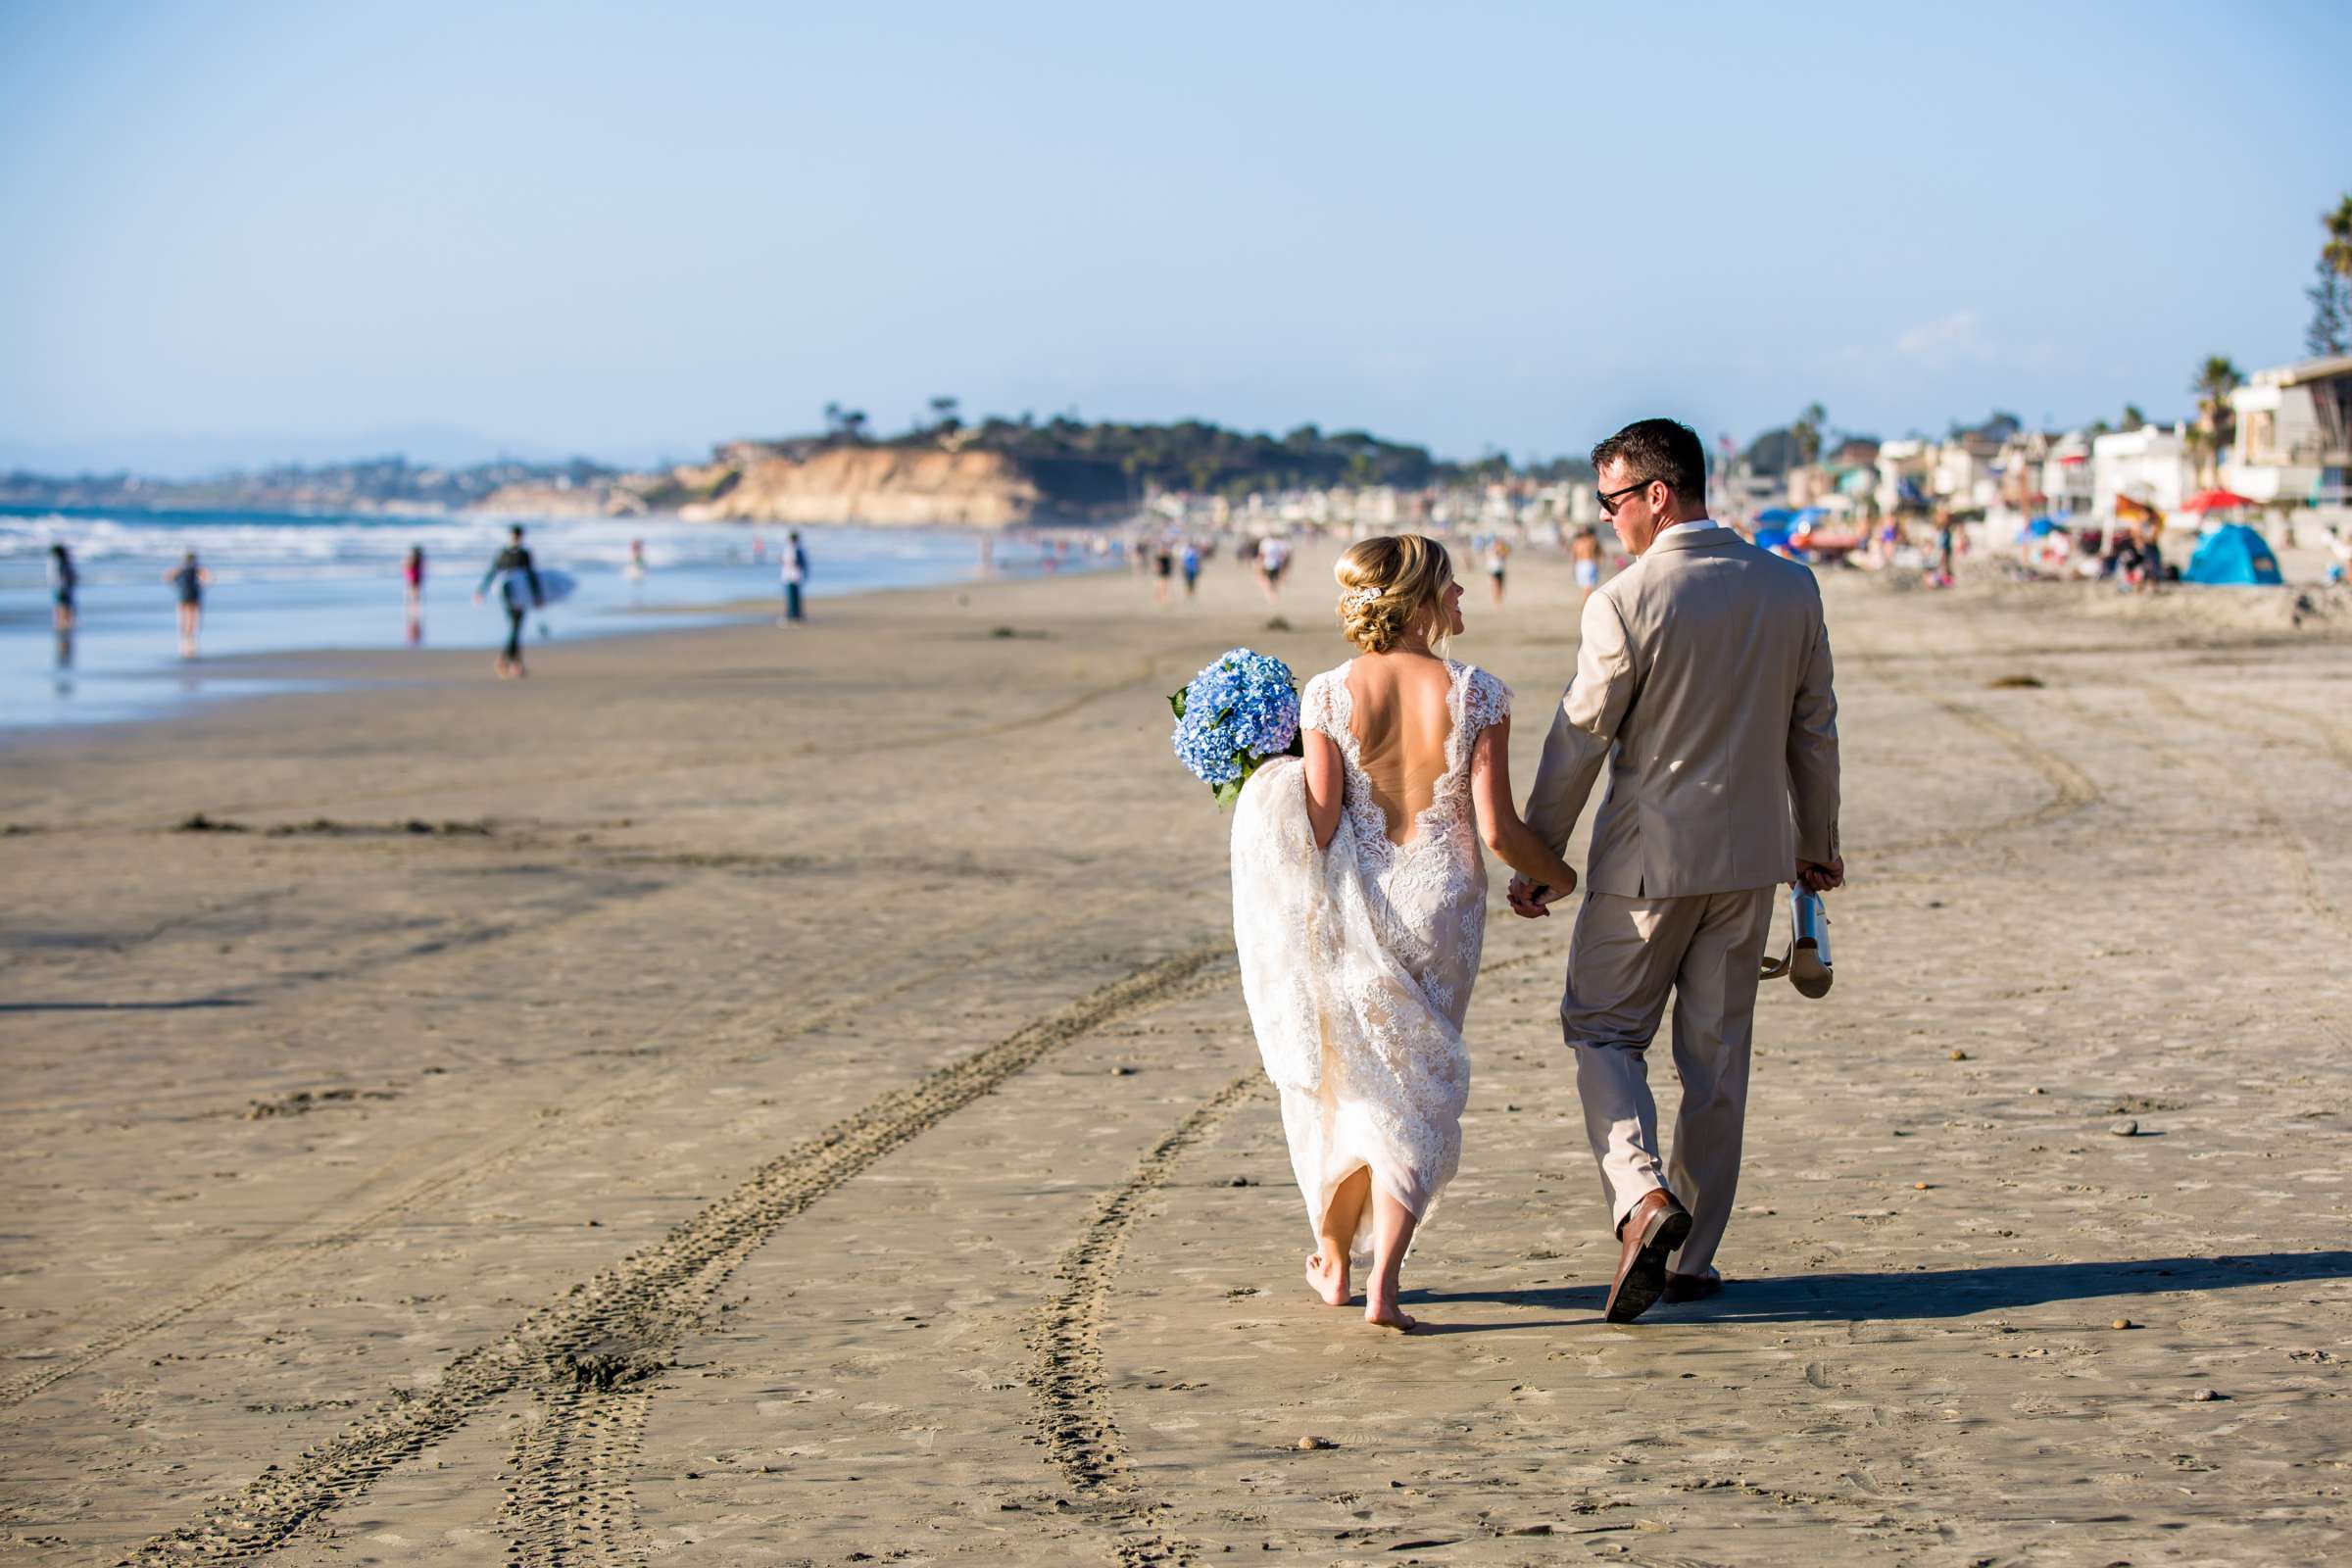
[1704, 685]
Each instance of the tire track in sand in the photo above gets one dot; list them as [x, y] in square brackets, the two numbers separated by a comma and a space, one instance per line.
[1073, 1397]
[2070, 789]
[617, 1330]
[717, 1043]
[2300, 872]
[569, 1500]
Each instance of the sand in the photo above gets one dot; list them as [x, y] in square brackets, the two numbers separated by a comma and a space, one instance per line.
[753, 1095]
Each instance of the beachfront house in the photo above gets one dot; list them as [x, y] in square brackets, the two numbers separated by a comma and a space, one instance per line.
[2067, 485]
[1906, 470]
[1963, 477]
[2294, 437]
[2152, 466]
[1853, 469]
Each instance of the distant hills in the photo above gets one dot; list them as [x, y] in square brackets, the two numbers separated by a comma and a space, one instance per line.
[995, 472]
[373, 484]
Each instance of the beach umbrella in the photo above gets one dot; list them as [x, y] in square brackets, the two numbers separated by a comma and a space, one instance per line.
[2041, 526]
[2205, 501]
[1772, 539]
[1774, 516]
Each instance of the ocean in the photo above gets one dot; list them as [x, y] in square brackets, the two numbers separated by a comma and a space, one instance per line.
[282, 582]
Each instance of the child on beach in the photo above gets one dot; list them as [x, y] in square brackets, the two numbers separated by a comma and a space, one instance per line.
[188, 580]
[1585, 551]
[412, 573]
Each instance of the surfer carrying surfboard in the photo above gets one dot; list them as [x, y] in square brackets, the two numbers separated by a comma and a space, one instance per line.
[520, 591]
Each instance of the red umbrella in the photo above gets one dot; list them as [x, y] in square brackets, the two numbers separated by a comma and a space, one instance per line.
[2216, 501]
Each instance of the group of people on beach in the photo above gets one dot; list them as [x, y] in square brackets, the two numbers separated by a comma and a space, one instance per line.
[1360, 893]
[512, 575]
[1171, 556]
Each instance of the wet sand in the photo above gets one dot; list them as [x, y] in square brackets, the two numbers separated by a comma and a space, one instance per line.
[781, 1096]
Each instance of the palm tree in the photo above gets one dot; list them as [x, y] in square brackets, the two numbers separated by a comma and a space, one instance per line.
[1808, 431]
[2330, 290]
[2217, 423]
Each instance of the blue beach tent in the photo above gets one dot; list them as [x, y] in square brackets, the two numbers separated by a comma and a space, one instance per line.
[2233, 554]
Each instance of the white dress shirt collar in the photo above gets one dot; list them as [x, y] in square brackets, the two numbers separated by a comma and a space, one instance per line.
[1696, 525]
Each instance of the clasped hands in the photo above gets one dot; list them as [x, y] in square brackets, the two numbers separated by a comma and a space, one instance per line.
[1532, 901]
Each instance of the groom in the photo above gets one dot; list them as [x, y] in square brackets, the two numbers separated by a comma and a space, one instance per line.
[1703, 685]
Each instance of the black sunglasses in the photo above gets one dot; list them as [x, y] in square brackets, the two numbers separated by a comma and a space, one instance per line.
[1611, 499]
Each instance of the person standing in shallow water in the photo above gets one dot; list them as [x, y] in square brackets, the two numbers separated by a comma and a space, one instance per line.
[794, 572]
[188, 580]
[518, 591]
[412, 573]
[64, 581]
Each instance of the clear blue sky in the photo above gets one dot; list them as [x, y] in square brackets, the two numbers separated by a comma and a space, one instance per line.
[237, 233]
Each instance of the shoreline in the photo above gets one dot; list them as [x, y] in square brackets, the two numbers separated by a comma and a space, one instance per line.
[291, 592]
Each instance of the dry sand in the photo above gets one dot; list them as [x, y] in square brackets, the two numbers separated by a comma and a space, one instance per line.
[794, 1107]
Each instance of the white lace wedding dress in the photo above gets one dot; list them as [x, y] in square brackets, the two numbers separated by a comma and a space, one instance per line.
[1358, 959]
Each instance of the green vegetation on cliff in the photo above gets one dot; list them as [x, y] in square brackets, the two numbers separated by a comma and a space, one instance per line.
[1112, 462]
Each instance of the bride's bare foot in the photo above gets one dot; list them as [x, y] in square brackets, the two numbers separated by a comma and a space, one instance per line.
[1381, 1311]
[1327, 1281]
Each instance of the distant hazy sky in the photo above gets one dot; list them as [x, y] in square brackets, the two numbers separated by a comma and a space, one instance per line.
[237, 233]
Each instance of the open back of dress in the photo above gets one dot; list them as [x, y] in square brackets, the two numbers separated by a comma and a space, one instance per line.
[1400, 712]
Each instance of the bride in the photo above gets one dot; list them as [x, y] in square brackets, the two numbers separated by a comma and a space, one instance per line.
[1360, 907]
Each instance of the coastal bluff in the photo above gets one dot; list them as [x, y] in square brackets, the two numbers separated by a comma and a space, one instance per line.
[878, 485]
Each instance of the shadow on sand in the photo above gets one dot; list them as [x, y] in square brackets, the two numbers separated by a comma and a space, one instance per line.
[1923, 1295]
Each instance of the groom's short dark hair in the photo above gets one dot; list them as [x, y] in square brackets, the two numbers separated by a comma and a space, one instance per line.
[1660, 449]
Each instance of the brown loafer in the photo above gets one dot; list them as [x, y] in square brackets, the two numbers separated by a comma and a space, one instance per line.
[1681, 1287]
[1652, 1231]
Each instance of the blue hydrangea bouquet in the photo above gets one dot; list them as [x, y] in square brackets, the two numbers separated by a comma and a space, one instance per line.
[1233, 715]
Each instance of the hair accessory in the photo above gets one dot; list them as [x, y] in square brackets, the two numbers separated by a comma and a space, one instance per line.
[1356, 600]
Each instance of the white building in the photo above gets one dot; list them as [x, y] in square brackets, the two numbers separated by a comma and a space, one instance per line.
[2067, 484]
[1963, 476]
[1906, 474]
[2152, 465]
[2294, 435]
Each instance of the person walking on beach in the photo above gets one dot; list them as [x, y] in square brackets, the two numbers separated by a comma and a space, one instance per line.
[188, 580]
[1192, 568]
[1163, 568]
[794, 571]
[64, 581]
[1703, 686]
[1273, 560]
[1360, 911]
[1498, 562]
[518, 593]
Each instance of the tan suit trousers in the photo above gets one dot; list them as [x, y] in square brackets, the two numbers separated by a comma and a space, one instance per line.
[1627, 955]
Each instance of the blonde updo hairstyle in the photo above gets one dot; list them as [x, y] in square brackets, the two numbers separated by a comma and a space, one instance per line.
[1392, 585]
